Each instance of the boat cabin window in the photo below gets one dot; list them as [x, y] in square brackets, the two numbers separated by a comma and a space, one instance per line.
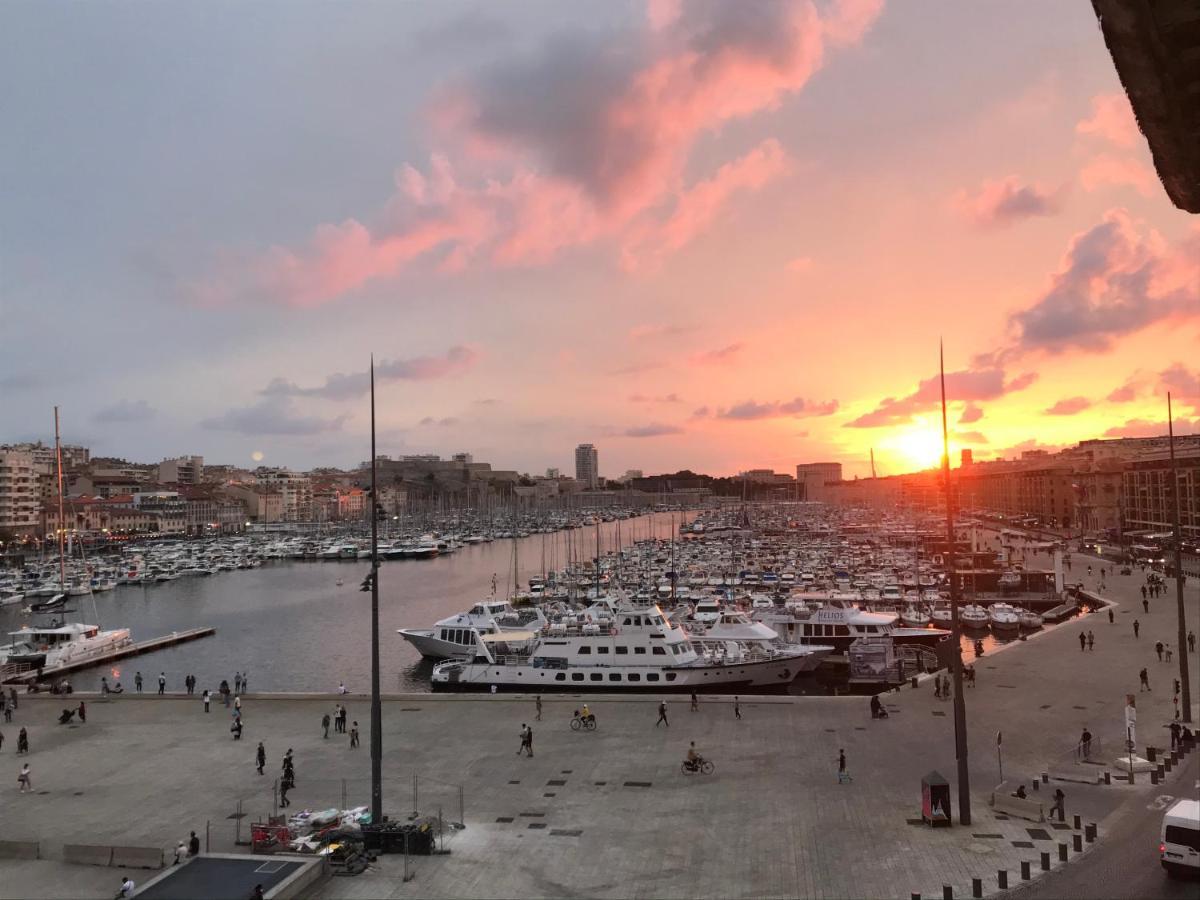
[597, 676]
[601, 649]
[585, 648]
[652, 676]
[622, 651]
[577, 676]
[614, 676]
[634, 676]
[659, 651]
[841, 630]
[639, 650]
[561, 676]
[670, 676]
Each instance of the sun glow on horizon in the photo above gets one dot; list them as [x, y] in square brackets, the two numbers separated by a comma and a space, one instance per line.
[919, 445]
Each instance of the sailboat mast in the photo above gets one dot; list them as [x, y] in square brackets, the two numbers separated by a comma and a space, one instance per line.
[62, 524]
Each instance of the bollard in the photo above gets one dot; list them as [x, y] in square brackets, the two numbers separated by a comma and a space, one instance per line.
[1002, 879]
[1151, 753]
[1089, 833]
[1036, 784]
[916, 896]
[1045, 778]
[1077, 840]
[1108, 778]
[947, 892]
[977, 887]
[1025, 876]
[1168, 764]
[914, 681]
[1078, 822]
[1062, 852]
[1045, 862]
[1154, 777]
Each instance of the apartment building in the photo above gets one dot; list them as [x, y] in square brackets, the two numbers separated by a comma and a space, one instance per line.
[20, 494]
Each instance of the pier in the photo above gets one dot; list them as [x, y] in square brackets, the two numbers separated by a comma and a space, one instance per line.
[24, 675]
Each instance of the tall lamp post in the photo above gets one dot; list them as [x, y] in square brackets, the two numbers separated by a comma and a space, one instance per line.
[1181, 639]
[960, 709]
[376, 707]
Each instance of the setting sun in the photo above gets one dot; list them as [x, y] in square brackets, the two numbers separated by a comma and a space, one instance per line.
[919, 446]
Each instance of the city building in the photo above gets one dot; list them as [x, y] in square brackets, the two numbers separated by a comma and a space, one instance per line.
[587, 466]
[1149, 505]
[295, 491]
[181, 470]
[813, 477]
[263, 505]
[20, 494]
[169, 506]
[73, 456]
[464, 458]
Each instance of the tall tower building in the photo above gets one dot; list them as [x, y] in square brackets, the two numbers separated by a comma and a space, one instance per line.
[587, 465]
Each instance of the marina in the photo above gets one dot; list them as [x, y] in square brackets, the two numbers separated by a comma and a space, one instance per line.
[24, 673]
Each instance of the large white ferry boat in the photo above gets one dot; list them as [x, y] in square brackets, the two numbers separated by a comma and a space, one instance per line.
[456, 635]
[636, 650]
[839, 624]
[58, 645]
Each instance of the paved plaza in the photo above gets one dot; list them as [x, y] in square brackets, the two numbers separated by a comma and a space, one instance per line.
[608, 814]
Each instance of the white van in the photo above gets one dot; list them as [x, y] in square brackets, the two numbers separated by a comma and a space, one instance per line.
[1179, 849]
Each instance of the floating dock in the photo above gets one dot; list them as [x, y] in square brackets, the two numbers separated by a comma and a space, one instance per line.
[24, 676]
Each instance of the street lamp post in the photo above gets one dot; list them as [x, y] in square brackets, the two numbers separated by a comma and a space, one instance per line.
[1181, 638]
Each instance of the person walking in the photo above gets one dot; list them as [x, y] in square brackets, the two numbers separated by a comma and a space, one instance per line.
[1145, 678]
[937, 687]
[538, 704]
[289, 764]
[260, 757]
[237, 682]
[843, 775]
[343, 714]
[521, 748]
[1091, 640]
[1167, 654]
[1110, 615]
[206, 698]
[22, 742]
[1143, 592]
[737, 707]
[1146, 606]
[945, 687]
[237, 706]
[245, 682]
[137, 682]
[127, 888]
[1174, 728]
[662, 714]
[1136, 627]
[286, 783]
[1060, 801]
[236, 729]
[82, 713]
[529, 741]
[695, 702]
[25, 779]
[1082, 642]
[325, 725]
[162, 683]
[1158, 648]
[1191, 639]
[193, 845]
[354, 735]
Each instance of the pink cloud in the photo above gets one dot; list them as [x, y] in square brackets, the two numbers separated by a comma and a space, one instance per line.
[1126, 393]
[1106, 170]
[971, 413]
[586, 142]
[1184, 385]
[797, 407]
[1148, 428]
[1003, 202]
[720, 357]
[1111, 120]
[988, 382]
[1069, 407]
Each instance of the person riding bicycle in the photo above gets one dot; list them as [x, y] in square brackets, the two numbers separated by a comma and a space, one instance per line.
[587, 713]
[693, 757]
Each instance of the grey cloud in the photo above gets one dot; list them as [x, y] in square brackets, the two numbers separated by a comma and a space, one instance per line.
[340, 386]
[272, 415]
[654, 429]
[125, 411]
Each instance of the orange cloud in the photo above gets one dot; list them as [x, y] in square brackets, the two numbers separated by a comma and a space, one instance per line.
[722, 356]
[1106, 170]
[1112, 120]
[1003, 202]
[1069, 406]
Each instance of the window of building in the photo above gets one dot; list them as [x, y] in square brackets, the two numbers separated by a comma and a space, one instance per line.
[601, 649]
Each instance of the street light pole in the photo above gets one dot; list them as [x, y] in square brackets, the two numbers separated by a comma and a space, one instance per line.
[1181, 640]
[376, 707]
[960, 708]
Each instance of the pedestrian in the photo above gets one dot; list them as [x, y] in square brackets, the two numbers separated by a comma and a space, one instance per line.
[162, 683]
[260, 757]
[1082, 642]
[223, 690]
[127, 888]
[343, 713]
[1146, 606]
[737, 708]
[245, 682]
[662, 714]
[529, 741]
[1158, 648]
[289, 763]
[1191, 639]
[137, 682]
[237, 682]
[521, 748]
[180, 853]
[237, 705]
[22, 742]
[1145, 677]
[1174, 728]
[286, 783]
[1060, 800]
[206, 699]
[257, 893]
[1167, 652]
[341, 687]
[695, 702]
[1110, 615]
[937, 687]
[1143, 592]
[1091, 640]
[193, 845]
[354, 735]
[25, 779]
[493, 690]
[236, 729]
[1085, 742]
[945, 687]
[843, 775]
[1136, 626]
[538, 704]
[82, 713]
[325, 725]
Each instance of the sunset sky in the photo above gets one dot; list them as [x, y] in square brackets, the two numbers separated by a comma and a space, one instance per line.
[713, 235]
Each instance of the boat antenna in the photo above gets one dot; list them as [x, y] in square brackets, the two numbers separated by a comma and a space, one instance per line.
[376, 707]
[960, 709]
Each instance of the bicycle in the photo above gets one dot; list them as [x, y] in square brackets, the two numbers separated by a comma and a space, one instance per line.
[701, 765]
[586, 723]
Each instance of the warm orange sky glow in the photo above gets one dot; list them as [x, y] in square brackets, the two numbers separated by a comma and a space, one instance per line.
[713, 235]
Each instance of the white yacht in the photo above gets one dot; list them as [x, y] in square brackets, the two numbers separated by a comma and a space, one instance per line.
[56, 645]
[707, 611]
[456, 635]
[735, 626]
[636, 651]
[1004, 617]
[838, 623]
[973, 616]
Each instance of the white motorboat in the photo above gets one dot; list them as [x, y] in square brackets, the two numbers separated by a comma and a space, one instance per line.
[10, 597]
[1004, 617]
[912, 615]
[838, 623]
[707, 611]
[56, 645]
[637, 651]
[455, 635]
[1029, 620]
[735, 626]
[974, 616]
[940, 612]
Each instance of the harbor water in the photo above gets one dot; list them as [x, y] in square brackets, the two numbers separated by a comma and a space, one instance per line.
[291, 626]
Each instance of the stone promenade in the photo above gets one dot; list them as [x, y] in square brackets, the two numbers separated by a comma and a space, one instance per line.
[608, 814]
